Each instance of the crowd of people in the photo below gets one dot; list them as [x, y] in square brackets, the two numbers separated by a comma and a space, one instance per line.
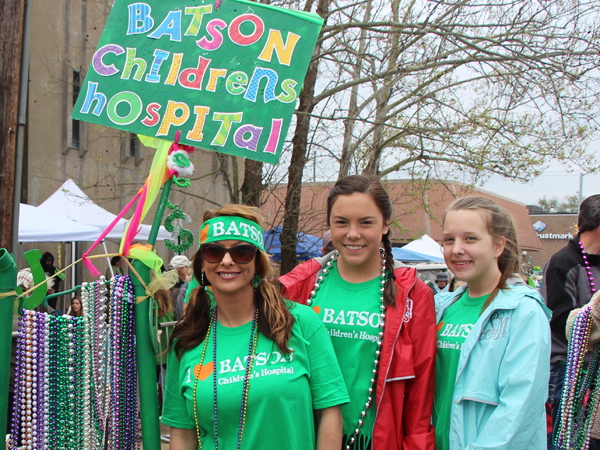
[353, 351]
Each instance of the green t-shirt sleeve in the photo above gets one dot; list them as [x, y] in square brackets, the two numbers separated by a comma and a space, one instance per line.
[175, 412]
[193, 285]
[326, 382]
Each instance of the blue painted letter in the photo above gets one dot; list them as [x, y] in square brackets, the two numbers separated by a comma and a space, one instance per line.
[139, 18]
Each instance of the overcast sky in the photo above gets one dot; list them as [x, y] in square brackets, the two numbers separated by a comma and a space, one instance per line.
[554, 182]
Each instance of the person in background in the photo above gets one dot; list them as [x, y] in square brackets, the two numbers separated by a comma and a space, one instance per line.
[76, 308]
[25, 280]
[116, 263]
[455, 284]
[180, 303]
[571, 277]
[327, 243]
[493, 342]
[594, 339]
[165, 314]
[441, 282]
[427, 280]
[178, 292]
[47, 263]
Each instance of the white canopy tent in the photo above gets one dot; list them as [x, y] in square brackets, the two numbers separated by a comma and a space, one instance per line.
[71, 202]
[419, 250]
[38, 225]
[425, 245]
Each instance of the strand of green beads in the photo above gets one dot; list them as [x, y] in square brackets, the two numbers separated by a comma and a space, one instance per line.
[52, 403]
[79, 377]
[66, 382]
[71, 340]
[61, 391]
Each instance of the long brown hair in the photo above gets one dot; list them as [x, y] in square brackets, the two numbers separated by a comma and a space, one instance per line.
[163, 297]
[164, 302]
[274, 318]
[373, 188]
[500, 224]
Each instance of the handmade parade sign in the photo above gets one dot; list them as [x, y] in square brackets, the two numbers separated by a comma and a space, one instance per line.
[227, 77]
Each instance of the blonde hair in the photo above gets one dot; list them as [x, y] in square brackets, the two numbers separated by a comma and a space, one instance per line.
[274, 318]
[500, 224]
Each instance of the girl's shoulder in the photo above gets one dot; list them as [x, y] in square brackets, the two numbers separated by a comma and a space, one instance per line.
[301, 312]
[524, 300]
[306, 320]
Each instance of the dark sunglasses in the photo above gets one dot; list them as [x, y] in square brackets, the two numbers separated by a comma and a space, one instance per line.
[241, 254]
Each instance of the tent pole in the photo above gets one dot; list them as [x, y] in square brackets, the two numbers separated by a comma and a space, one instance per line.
[73, 259]
[112, 274]
[146, 363]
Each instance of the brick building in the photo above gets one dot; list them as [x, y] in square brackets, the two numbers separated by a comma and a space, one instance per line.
[418, 209]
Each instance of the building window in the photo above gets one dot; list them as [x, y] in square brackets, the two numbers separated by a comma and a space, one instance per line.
[131, 148]
[135, 148]
[75, 124]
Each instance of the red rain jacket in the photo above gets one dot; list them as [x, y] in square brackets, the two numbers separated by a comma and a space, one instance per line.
[405, 381]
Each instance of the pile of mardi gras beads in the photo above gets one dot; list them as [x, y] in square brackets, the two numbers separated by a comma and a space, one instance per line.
[75, 376]
[581, 392]
[122, 374]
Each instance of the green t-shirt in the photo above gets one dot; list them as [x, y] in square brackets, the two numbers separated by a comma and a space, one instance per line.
[284, 390]
[351, 313]
[456, 324]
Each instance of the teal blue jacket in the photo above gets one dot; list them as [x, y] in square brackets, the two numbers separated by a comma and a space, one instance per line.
[503, 371]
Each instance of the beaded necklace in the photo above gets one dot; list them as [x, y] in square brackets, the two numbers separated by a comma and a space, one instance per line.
[59, 359]
[575, 415]
[123, 397]
[588, 268]
[310, 301]
[246, 387]
[30, 357]
[94, 340]
[17, 395]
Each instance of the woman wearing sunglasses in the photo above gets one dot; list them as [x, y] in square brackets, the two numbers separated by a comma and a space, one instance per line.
[381, 320]
[245, 368]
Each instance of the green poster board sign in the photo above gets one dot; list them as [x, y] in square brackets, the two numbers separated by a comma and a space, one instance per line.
[228, 78]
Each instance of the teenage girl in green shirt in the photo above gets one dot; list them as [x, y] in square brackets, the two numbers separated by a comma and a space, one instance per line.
[381, 320]
[246, 369]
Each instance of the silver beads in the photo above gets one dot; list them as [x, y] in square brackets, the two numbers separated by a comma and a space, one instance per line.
[381, 288]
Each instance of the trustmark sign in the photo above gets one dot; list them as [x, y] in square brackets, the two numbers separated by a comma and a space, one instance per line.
[563, 236]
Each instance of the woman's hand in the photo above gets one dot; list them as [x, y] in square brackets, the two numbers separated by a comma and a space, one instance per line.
[183, 439]
[329, 428]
